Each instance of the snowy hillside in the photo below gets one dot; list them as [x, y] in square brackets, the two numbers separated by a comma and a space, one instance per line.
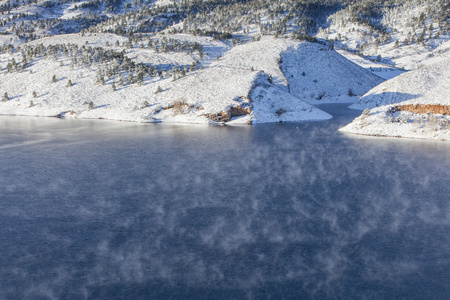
[401, 35]
[415, 104]
[240, 85]
[318, 74]
[227, 62]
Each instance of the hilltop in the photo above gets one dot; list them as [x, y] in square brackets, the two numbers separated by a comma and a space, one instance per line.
[414, 105]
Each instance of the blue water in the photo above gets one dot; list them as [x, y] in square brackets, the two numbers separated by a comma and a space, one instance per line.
[109, 210]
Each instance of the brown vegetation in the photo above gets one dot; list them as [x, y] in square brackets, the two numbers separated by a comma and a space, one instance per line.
[228, 115]
[181, 106]
[422, 108]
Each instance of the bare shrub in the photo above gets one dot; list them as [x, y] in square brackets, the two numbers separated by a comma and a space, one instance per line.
[280, 111]
[180, 107]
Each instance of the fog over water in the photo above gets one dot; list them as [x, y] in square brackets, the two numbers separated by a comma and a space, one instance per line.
[108, 210]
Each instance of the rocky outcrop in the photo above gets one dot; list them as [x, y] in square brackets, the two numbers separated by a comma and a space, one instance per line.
[228, 115]
[422, 108]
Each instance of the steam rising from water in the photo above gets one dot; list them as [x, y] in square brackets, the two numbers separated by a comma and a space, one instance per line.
[293, 210]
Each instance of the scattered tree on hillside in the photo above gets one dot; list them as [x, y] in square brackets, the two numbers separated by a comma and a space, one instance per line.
[140, 78]
[130, 78]
[121, 80]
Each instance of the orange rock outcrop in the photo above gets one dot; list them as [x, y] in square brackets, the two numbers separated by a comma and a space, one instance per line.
[422, 108]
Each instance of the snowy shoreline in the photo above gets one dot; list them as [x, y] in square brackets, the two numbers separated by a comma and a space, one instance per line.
[272, 80]
[412, 105]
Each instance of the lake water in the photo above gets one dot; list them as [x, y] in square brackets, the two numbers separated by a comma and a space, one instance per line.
[95, 209]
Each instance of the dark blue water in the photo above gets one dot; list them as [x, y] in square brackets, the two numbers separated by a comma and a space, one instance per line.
[110, 210]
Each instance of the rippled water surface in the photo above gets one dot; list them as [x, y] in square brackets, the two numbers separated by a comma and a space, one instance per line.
[110, 210]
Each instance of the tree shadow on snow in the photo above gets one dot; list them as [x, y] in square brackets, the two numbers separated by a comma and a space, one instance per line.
[60, 79]
[100, 106]
[42, 95]
[15, 97]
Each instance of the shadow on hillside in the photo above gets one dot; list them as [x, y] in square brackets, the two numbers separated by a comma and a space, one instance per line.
[386, 98]
[15, 97]
[42, 95]
[61, 79]
[384, 60]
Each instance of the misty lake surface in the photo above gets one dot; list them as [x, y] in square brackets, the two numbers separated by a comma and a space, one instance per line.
[93, 209]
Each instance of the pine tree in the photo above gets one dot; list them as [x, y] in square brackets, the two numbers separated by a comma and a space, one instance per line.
[130, 78]
[69, 83]
[200, 51]
[91, 105]
[140, 78]
[101, 80]
[121, 80]
[54, 78]
[158, 90]
[34, 94]
[5, 97]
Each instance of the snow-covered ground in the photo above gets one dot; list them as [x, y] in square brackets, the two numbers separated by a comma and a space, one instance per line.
[88, 39]
[428, 87]
[263, 80]
[398, 44]
[380, 69]
[318, 74]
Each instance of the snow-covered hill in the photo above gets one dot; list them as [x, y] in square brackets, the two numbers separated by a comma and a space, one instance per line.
[401, 35]
[208, 62]
[318, 74]
[256, 82]
[415, 105]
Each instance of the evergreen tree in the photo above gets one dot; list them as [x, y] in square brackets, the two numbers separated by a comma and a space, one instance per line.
[121, 80]
[5, 97]
[100, 80]
[130, 78]
[140, 78]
